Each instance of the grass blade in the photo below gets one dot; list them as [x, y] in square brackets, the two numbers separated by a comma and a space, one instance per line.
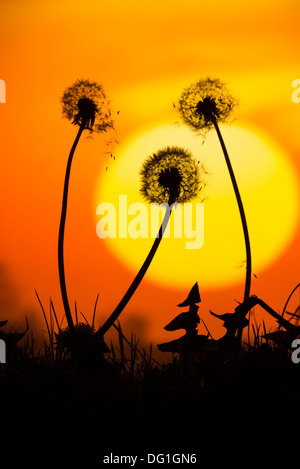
[46, 321]
[94, 313]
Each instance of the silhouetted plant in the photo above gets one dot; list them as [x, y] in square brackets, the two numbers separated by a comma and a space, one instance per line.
[232, 322]
[85, 105]
[170, 176]
[204, 102]
[67, 343]
[189, 321]
[202, 106]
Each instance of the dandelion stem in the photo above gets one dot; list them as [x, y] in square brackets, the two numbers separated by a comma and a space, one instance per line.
[137, 280]
[243, 219]
[61, 235]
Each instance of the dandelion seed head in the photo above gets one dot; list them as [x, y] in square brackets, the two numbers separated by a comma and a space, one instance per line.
[85, 103]
[170, 174]
[68, 342]
[205, 101]
[170, 179]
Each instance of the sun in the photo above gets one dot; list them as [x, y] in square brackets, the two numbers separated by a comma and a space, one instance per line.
[268, 188]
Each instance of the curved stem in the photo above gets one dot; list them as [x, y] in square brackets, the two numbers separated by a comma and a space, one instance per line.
[243, 219]
[61, 268]
[290, 296]
[137, 280]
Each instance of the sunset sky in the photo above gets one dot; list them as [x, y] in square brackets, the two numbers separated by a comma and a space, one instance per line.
[144, 54]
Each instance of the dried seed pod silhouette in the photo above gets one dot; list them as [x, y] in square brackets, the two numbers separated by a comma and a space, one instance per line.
[186, 345]
[202, 106]
[86, 106]
[192, 298]
[169, 176]
[237, 320]
[188, 321]
[231, 321]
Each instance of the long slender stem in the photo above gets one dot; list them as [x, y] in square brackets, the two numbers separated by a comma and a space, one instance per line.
[61, 234]
[137, 280]
[243, 219]
[290, 296]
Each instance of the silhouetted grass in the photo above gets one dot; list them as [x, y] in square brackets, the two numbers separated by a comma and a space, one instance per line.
[128, 403]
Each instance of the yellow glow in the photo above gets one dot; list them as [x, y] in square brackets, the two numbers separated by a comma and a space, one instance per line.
[269, 192]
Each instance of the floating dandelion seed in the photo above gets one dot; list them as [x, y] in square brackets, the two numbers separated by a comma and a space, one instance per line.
[170, 173]
[85, 104]
[204, 102]
[170, 176]
[202, 106]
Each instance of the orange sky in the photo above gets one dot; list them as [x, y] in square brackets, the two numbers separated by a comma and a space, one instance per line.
[143, 53]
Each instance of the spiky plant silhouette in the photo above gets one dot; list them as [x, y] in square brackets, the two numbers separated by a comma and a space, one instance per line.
[202, 106]
[86, 106]
[169, 176]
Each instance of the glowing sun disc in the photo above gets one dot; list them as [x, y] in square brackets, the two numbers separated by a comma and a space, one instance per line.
[269, 193]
